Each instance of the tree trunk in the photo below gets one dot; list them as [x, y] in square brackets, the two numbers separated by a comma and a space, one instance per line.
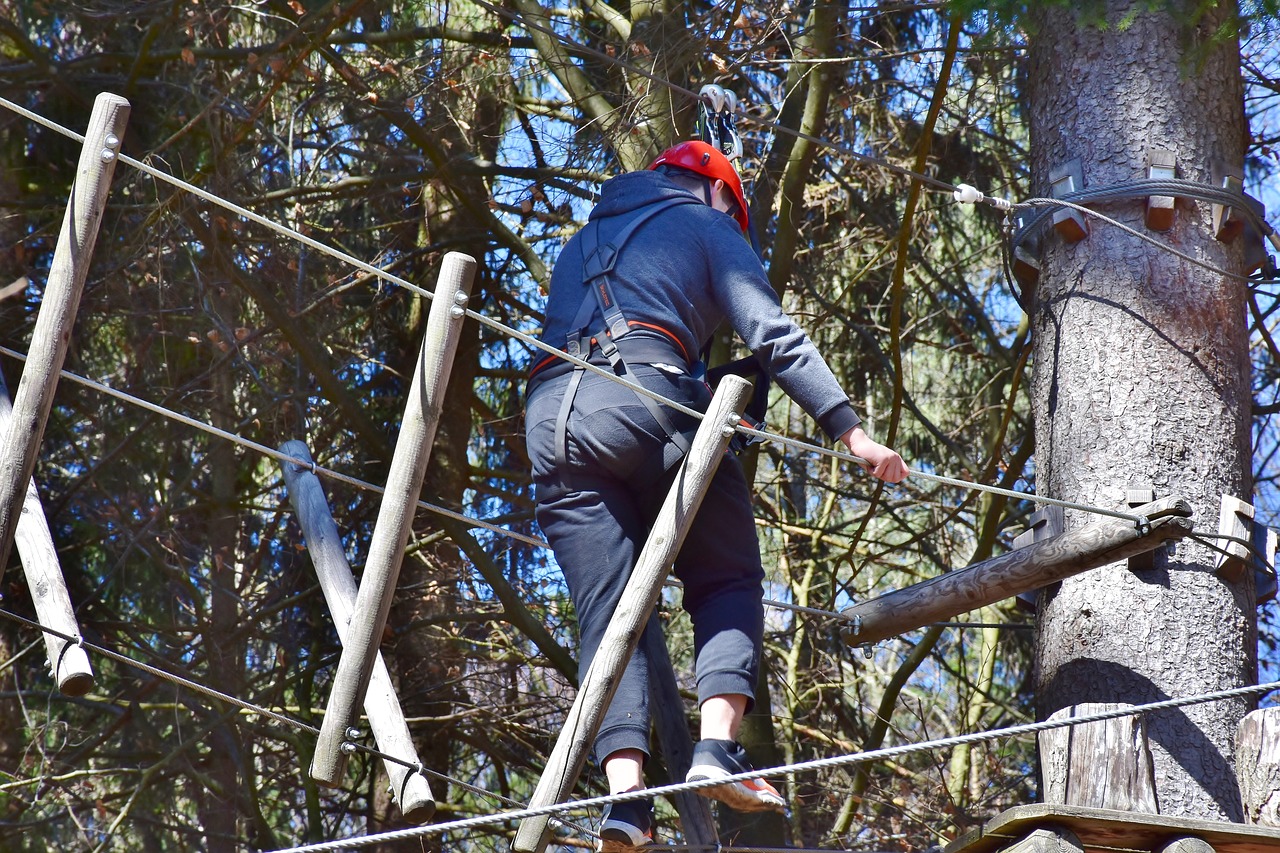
[1142, 379]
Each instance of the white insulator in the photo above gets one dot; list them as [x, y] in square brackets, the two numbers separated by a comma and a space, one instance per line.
[966, 194]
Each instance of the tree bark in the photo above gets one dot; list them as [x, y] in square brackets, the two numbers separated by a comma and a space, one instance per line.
[1142, 378]
[224, 643]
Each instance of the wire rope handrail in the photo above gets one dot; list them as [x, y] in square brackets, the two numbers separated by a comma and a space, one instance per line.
[798, 767]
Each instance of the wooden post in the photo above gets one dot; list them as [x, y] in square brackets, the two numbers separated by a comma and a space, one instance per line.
[52, 333]
[411, 790]
[638, 598]
[1099, 765]
[674, 740]
[1095, 544]
[395, 515]
[67, 661]
[1258, 766]
[1047, 839]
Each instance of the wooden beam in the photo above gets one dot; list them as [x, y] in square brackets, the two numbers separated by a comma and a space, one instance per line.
[67, 661]
[411, 790]
[1094, 544]
[1100, 765]
[1235, 520]
[61, 299]
[638, 598]
[395, 515]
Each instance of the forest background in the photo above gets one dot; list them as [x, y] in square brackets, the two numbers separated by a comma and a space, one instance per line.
[396, 131]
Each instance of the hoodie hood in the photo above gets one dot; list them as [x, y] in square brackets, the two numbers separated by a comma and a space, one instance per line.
[634, 190]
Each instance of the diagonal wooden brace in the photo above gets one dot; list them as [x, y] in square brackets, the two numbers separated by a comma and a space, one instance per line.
[395, 516]
[67, 660]
[51, 337]
[410, 789]
[638, 599]
[1106, 540]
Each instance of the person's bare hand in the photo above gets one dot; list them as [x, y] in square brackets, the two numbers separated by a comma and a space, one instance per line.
[881, 462]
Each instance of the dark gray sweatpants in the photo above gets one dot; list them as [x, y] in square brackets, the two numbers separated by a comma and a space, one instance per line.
[597, 515]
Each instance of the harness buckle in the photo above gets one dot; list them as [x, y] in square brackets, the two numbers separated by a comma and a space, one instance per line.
[601, 261]
[609, 349]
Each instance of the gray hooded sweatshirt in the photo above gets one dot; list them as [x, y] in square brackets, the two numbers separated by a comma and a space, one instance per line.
[678, 277]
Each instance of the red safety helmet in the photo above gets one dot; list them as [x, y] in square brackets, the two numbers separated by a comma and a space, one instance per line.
[708, 161]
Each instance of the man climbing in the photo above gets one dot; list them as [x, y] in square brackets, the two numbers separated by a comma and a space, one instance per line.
[657, 268]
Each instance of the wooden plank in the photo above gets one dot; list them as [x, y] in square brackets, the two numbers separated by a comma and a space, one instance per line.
[638, 598]
[1162, 164]
[395, 515]
[1105, 764]
[1258, 766]
[1235, 520]
[410, 790]
[1106, 830]
[1097, 543]
[61, 300]
[68, 662]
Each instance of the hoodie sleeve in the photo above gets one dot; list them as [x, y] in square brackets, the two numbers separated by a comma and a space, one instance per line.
[754, 311]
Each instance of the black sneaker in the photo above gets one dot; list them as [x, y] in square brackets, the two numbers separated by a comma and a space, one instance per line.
[626, 826]
[716, 759]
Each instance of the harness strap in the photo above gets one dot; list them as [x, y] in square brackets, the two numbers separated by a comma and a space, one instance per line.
[655, 408]
[562, 423]
[598, 261]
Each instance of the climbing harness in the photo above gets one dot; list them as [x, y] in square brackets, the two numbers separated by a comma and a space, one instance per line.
[598, 263]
